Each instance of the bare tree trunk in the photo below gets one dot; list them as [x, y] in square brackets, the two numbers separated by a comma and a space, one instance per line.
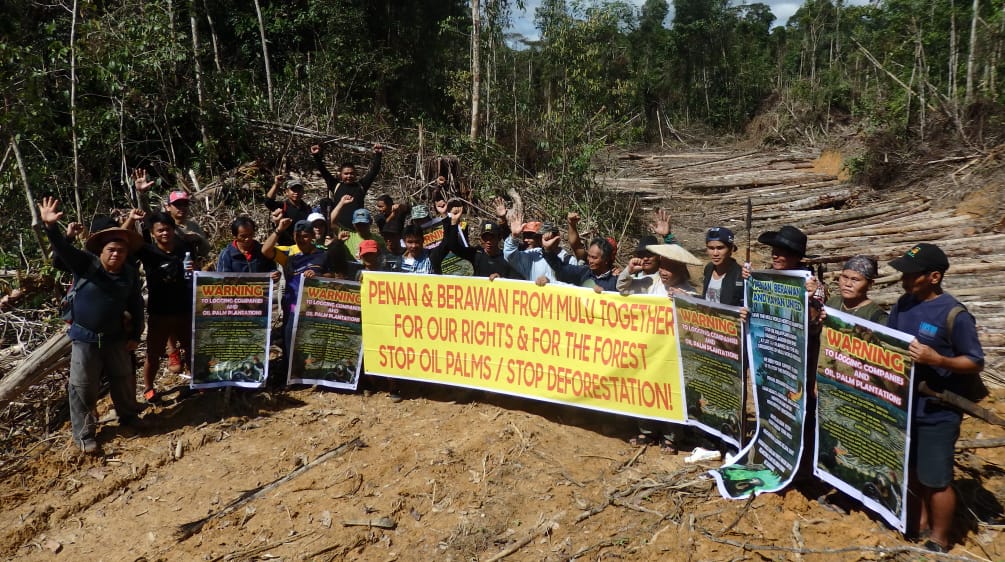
[73, 113]
[919, 62]
[197, 66]
[123, 163]
[36, 223]
[490, 73]
[265, 53]
[516, 121]
[420, 157]
[951, 93]
[969, 98]
[212, 36]
[476, 69]
[174, 42]
[993, 80]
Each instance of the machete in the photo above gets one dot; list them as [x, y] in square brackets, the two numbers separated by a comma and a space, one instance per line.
[968, 406]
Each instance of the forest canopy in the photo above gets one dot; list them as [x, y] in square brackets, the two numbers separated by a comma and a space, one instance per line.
[91, 90]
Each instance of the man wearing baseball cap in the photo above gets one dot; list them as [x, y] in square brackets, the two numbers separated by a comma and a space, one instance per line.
[947, 356]
[486, 259]
[301, 260]
[362, 222]
[293, 208]
[723, 275]
[177, 205]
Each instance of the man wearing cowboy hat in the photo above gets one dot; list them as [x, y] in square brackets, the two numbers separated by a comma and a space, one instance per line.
[107, 293]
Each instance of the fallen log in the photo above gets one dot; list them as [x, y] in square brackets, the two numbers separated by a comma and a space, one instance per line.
[930, 223]
[51, 355]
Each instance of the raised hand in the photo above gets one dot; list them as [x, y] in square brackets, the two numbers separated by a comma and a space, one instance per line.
[661, 222]
[455, 215]
[378, 148]
[284, 223]
[74, 229]
[141, 181]
[316, 149]
[500, 206]
[573, 218]
[48, 210]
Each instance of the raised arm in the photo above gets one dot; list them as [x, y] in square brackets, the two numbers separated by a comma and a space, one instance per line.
[269, 247]
[270, 195]
[75, 259]
[142, 184]
[575, 241]
[333, 223]
[371, 174]
[330, 180]
[451, 240]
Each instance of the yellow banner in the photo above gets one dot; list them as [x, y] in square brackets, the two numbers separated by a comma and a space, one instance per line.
[556, 343]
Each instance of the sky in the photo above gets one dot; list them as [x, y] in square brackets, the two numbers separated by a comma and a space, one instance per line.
[523, 22]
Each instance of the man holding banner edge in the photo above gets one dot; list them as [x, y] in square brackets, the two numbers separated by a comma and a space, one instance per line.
[947, 356]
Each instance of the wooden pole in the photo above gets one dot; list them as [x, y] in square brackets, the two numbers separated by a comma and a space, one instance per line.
[36, 224]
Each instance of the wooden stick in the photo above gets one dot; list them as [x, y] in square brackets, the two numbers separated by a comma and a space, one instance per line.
[188, 529]
[980, 443]
[542, 529]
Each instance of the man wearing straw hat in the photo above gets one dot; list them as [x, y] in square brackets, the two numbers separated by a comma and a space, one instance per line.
[107, 321]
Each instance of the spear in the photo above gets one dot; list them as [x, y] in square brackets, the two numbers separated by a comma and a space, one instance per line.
[750, 220]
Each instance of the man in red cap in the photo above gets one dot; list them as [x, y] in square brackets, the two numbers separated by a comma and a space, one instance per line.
[107, 322]
[947, 356]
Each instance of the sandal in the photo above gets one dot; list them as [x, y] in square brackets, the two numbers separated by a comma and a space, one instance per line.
[667, 445]
[932, 546]
[643, 440]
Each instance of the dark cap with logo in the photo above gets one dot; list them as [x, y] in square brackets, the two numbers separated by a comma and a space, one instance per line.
[490, 228]
[922, 257]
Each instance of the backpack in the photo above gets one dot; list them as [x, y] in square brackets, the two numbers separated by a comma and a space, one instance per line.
[66, 303]
[973, 388]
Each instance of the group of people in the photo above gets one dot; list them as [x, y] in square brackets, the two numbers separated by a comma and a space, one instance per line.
[341, 237]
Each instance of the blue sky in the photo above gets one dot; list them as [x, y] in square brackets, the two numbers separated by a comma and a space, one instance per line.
[523, 22]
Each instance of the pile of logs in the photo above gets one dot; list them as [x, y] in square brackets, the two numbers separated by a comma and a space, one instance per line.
[709, 188]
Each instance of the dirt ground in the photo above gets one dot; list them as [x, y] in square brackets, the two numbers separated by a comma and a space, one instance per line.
[444, 475]
[456, 479]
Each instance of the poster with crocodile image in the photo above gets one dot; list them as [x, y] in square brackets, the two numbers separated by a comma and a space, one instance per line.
[327, 334]
[776, 348]
[864, 381]
[710, 343]
[231, 320]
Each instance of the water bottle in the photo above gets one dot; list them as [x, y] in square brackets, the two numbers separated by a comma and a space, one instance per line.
[186, 265]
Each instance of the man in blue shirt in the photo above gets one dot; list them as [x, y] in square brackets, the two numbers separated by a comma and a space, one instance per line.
[107, 322]
[947, 356]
